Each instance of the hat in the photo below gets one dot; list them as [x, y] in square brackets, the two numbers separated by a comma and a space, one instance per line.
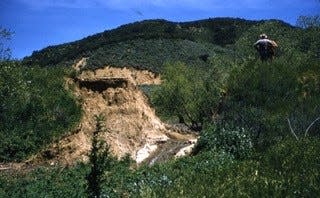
[263, 36]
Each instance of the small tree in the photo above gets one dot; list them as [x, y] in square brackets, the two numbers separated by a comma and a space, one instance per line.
[100, 160]
[308, 21]
[5, 35]
[190, 94]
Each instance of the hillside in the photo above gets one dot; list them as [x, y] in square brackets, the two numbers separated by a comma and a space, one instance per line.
[148, 44]
[164, 90]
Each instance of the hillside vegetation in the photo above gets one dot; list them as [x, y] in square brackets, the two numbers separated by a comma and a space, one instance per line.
[218, 31]
[258, 121]
[35, 109]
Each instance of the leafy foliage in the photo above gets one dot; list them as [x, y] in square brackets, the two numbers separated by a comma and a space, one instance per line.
[35, 109]
[187, 93]
[45, 182]
[5, 52]
[308, 21]
[295, 164]
[99, 159]
[233, 140]
[262, 96]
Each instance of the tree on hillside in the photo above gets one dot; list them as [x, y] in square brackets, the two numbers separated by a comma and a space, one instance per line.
[5, 36]
[311, 39]
[100, 161]
[308, 21]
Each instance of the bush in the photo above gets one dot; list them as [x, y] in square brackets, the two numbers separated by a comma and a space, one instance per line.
[186, 177]
[189, 94]
[262, 96]
[233, 140]
[295, 166]
[35, 109]
[99, 159]
[44, 182]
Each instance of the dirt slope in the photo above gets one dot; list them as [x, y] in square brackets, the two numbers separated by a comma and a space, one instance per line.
[132, 126]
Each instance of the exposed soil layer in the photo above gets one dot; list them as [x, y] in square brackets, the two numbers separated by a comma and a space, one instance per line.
[132, 126]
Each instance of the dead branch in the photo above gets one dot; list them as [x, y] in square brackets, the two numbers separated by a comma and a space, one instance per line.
[309, 127]
[294, 134]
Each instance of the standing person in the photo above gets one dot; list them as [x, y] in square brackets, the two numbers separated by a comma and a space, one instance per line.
[265, 47]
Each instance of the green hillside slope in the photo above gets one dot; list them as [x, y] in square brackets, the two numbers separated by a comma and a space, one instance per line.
[215, 32]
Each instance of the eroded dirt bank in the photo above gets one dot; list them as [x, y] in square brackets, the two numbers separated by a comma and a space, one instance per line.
[132, 126]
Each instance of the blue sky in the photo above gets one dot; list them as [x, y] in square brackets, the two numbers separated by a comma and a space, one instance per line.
[39, 23]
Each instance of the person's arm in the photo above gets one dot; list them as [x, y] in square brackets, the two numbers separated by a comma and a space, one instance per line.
[256, 45]
[274, 44]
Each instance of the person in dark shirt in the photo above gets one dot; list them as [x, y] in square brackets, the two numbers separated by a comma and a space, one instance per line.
[265, 47]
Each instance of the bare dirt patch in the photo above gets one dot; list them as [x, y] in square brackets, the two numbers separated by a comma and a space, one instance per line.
[132, 125]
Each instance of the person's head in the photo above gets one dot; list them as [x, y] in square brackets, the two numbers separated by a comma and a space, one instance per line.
[263, 36]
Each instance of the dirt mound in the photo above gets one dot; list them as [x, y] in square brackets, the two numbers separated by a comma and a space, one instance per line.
[132, 126]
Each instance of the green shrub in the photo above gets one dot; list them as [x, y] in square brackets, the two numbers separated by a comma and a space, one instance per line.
[99, 159]
[187, 93]
[292, 167]
[262, 96]
[233, 140]
[186, 177]
[45, 182]
[35, 109]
